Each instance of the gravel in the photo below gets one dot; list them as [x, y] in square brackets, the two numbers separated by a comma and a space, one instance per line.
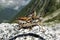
[48, 32]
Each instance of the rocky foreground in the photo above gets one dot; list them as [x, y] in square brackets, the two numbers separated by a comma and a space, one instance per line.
[48, 32]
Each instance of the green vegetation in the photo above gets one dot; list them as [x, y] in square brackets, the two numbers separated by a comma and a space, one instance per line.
[33, 5]
[42, 7]
[52, 6]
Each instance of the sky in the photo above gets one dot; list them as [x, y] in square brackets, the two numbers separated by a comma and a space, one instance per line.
[15, 4]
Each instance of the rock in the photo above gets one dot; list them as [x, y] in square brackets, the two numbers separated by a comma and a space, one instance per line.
[8, 31]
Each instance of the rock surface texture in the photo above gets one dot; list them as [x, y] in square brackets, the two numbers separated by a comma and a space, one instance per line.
[9, 31]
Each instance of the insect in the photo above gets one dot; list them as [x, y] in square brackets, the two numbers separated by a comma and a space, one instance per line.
[29, 21]
[33, 20]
